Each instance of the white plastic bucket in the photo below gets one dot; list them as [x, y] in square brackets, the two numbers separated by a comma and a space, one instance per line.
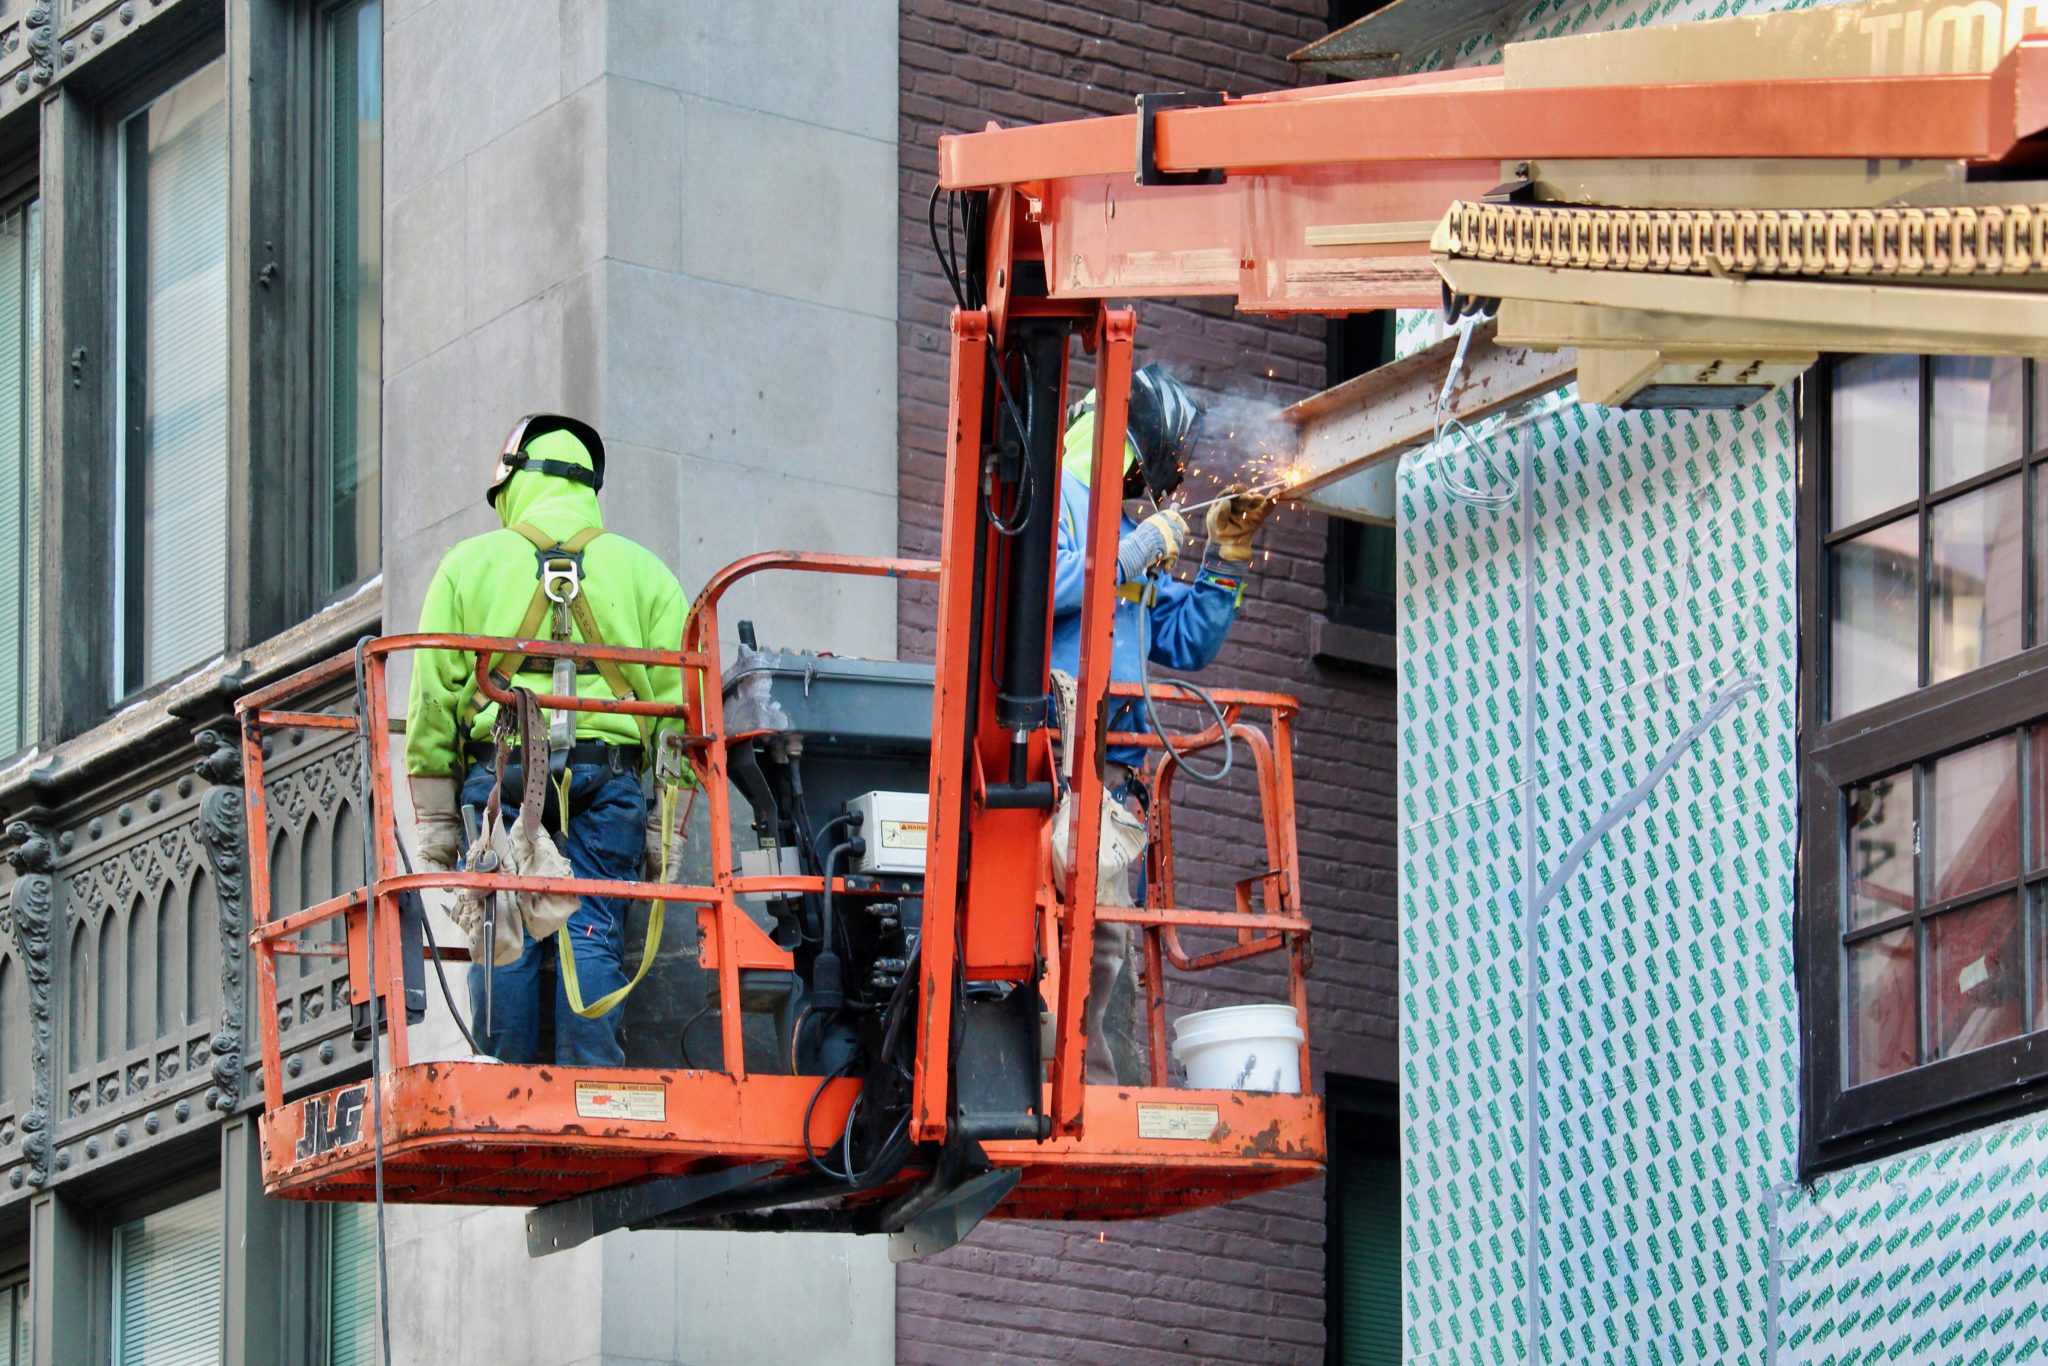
[1240, 1048]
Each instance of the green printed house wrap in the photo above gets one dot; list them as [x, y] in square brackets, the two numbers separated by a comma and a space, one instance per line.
[1600, 1093]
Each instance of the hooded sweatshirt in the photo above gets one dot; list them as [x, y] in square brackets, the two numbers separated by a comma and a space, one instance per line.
[1189, 620]
[484, 587]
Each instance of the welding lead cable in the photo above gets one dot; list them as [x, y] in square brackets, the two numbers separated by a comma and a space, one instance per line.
[1463, 493]
[369, 820]
[1221, 771]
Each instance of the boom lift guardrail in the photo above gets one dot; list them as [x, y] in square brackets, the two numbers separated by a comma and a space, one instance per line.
[676, 1147]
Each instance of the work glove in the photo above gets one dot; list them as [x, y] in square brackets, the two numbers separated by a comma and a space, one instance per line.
[436, 825]
[673, 781]
[665, 864]
[474, 910]
[1155, 541]
[1233, 522]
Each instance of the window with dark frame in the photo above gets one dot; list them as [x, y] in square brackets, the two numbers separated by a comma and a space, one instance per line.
[350, 228]
[21, 450]
[16, 1316]
[198, 548]
[170, 546]
[1358, 563]
[1924, 781]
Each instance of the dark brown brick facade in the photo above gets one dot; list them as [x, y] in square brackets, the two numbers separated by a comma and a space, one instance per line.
[1244, 1283]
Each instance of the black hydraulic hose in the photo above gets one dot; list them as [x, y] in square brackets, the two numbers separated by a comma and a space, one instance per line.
[946, 265]
[1027, 588]
[828, 921]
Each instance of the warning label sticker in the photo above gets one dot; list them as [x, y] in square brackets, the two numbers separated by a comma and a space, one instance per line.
[621, 1100]
[1192, 1122]
[905, 834]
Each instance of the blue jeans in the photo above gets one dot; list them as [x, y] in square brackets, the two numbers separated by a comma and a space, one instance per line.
[607, 833]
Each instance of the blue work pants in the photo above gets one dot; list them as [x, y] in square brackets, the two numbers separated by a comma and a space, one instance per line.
[605, 839]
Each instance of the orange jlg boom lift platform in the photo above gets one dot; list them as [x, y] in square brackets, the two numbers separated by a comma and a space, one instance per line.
[1681, 217]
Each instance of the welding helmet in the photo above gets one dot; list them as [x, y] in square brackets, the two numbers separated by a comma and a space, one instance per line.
[1163, 419]
[530, 428]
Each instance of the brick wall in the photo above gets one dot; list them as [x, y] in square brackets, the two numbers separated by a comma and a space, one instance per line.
[1243, 1283]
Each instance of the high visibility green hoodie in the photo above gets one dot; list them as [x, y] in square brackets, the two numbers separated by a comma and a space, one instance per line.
[484, 587]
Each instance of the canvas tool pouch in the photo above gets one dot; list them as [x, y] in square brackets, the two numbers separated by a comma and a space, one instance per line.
[1123, 836]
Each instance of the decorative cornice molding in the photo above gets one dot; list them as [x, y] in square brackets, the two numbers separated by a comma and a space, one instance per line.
[34, 856]
[41, 25]
[222, 825]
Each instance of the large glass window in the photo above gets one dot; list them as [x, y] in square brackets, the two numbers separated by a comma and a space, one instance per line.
[21, 444]
[1926, 547]
[171, 535]
[351, 1286]
[15, 1316]
[1926, 736]
[353, 294]
[167, 1286]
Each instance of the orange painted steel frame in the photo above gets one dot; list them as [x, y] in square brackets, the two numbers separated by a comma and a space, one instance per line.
[994, 905]
[1387, 157]
[450, 1134]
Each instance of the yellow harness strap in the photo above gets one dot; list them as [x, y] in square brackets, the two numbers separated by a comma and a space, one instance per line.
[509, 664]
[505, 666]
[565, 946]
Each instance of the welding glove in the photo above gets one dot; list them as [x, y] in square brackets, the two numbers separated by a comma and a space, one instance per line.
[1232, 523]
[1155, 541]
[436, 826]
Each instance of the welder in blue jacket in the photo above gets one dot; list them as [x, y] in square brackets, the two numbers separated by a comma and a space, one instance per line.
[1188, 620]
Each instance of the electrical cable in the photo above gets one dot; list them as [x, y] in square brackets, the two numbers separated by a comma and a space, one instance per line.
[810, 1152]
[949, 266]
[828, 921]
[688, 1024]
[818, 860]
[370, 942]
[1027, 487]
[1463, 493]
[948, 255]
[1222, 771]
[796, 1037]
[440, 968]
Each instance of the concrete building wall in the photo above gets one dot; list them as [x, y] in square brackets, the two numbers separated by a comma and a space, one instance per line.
[675, 221]
[1242, 1283]
[1601, 1126]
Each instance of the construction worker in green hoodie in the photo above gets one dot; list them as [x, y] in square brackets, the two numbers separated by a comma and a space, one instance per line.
[544, 491]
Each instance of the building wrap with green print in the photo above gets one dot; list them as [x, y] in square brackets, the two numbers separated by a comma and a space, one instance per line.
[1600, 1077]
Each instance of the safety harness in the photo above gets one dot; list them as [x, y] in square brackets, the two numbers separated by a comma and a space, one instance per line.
[558, 594]
[558, 598]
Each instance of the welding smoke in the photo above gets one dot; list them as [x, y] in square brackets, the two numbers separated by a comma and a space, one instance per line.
[1244, 441]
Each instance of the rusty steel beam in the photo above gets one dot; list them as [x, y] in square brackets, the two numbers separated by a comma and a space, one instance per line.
[1352, 433]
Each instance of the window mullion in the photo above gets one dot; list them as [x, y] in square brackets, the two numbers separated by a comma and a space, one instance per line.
[1926, 458]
